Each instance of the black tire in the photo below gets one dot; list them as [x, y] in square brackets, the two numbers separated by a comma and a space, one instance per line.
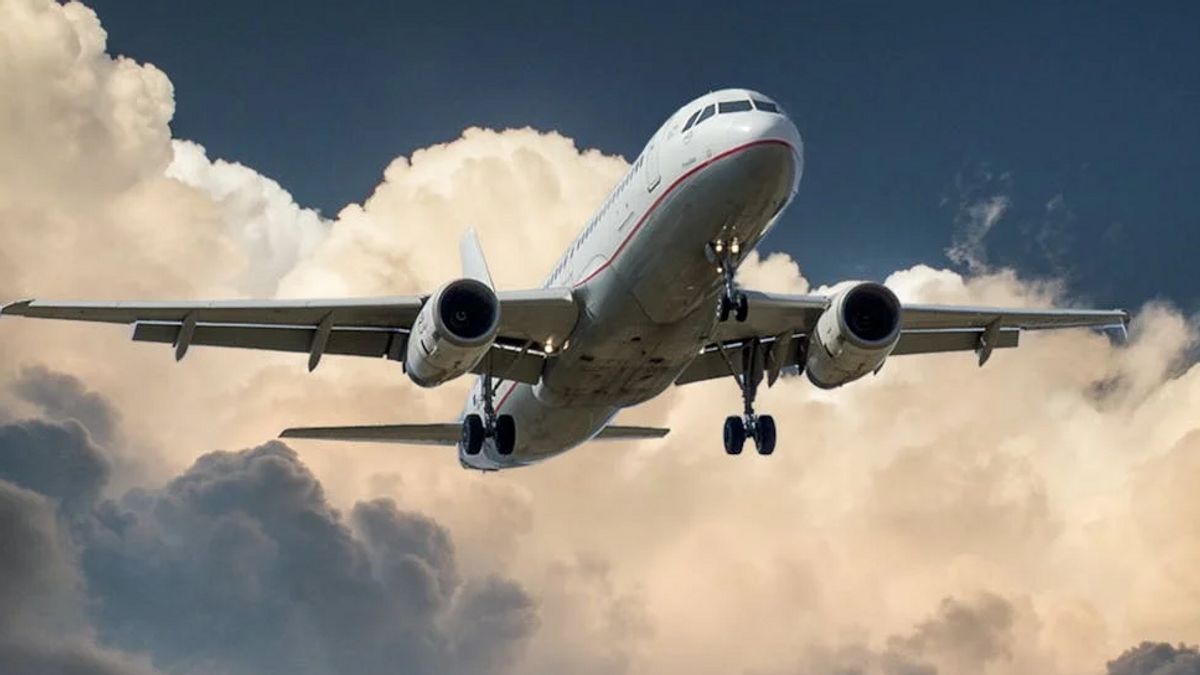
[735, 435]
[472, 434]
[506, 434]
[743, 307]
[724, 307]
[764, 435]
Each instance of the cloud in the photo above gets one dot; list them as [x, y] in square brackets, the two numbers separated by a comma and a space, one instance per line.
[42, 629]
[975, 221]
[238, 565]
[61, 396]
[1032, 516]
[1151, 658]
[275, 581]
[982, 200]
[56, 460]
[264, 220]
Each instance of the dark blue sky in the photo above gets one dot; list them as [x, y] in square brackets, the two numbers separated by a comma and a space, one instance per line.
[906, 108]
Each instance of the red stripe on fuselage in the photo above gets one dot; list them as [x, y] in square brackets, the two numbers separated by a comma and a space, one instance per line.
[646, 216]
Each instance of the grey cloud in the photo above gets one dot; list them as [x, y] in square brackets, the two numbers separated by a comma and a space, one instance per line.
[1157, 658]
[490, 623]
[962, 636]
[42, 629]
[271, 579]
[61, 396]
[54, 459]
[970, 633]
[237, 565]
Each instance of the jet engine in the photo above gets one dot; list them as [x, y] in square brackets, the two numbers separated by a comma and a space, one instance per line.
[453, 332]
[853, 336]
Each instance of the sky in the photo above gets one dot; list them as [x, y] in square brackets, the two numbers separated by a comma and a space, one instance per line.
[1038, 515]
[1082, 117]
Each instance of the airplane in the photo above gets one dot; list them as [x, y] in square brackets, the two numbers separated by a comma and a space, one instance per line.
[644, 298]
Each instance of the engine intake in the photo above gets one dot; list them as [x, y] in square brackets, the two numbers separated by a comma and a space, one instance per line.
[454, 330]
[854, 336]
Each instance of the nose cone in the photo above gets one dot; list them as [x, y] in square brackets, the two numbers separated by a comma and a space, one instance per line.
[765, 127]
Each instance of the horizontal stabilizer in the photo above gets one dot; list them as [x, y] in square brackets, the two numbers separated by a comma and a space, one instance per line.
[420, 434]
[618, 433]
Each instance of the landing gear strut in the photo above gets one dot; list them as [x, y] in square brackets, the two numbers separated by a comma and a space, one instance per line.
[761, 428]
[476, 429]
[732, 301]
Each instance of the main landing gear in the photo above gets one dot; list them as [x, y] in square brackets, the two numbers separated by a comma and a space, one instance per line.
[732, 301]
[760, 428]
[476, 428]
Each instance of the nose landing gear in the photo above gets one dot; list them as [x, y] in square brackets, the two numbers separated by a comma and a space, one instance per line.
[476, 428]
[760, 428]
[732, 301]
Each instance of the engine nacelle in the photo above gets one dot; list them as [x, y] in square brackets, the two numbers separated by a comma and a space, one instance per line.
[452, 333]
[853, 336]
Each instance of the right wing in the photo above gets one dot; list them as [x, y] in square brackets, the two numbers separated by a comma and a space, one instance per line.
[376, 327]
[782, 323]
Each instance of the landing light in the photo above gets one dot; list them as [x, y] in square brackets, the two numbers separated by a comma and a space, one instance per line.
[735, 247]
[719, 246]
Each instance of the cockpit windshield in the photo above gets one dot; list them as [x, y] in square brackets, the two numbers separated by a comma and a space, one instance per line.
[766, 106]
[735, 106]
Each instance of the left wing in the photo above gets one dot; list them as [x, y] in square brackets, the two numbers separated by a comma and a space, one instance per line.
[780, 321]
[375, 327]
[440, 434]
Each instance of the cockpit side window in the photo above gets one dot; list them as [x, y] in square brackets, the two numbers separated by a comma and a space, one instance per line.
[691, 120]
[765, 106]
[733, 106]
[708, 112]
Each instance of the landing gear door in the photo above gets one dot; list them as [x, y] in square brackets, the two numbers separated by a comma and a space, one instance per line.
[653, 175]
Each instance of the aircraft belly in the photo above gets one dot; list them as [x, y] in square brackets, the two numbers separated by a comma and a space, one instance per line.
[544, 430]
[619, 356]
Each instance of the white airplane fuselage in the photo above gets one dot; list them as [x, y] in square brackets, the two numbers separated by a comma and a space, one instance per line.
[647, 291]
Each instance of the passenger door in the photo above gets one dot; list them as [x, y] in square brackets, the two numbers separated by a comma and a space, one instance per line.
[653, 174]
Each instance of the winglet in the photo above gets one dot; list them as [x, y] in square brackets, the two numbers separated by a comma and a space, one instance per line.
[474, 265]
[17, 308]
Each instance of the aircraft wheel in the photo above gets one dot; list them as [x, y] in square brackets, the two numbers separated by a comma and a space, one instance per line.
[743, 307]
[472, 434]
[724, 307]
[506, 434]
[764, 435]
[735, 435]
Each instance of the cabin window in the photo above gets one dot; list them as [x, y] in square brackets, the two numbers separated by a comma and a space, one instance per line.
[733, 106]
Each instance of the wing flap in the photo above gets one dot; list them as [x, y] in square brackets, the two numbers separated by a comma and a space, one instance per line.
[355, 342]
[937, 341]
[417, 434]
